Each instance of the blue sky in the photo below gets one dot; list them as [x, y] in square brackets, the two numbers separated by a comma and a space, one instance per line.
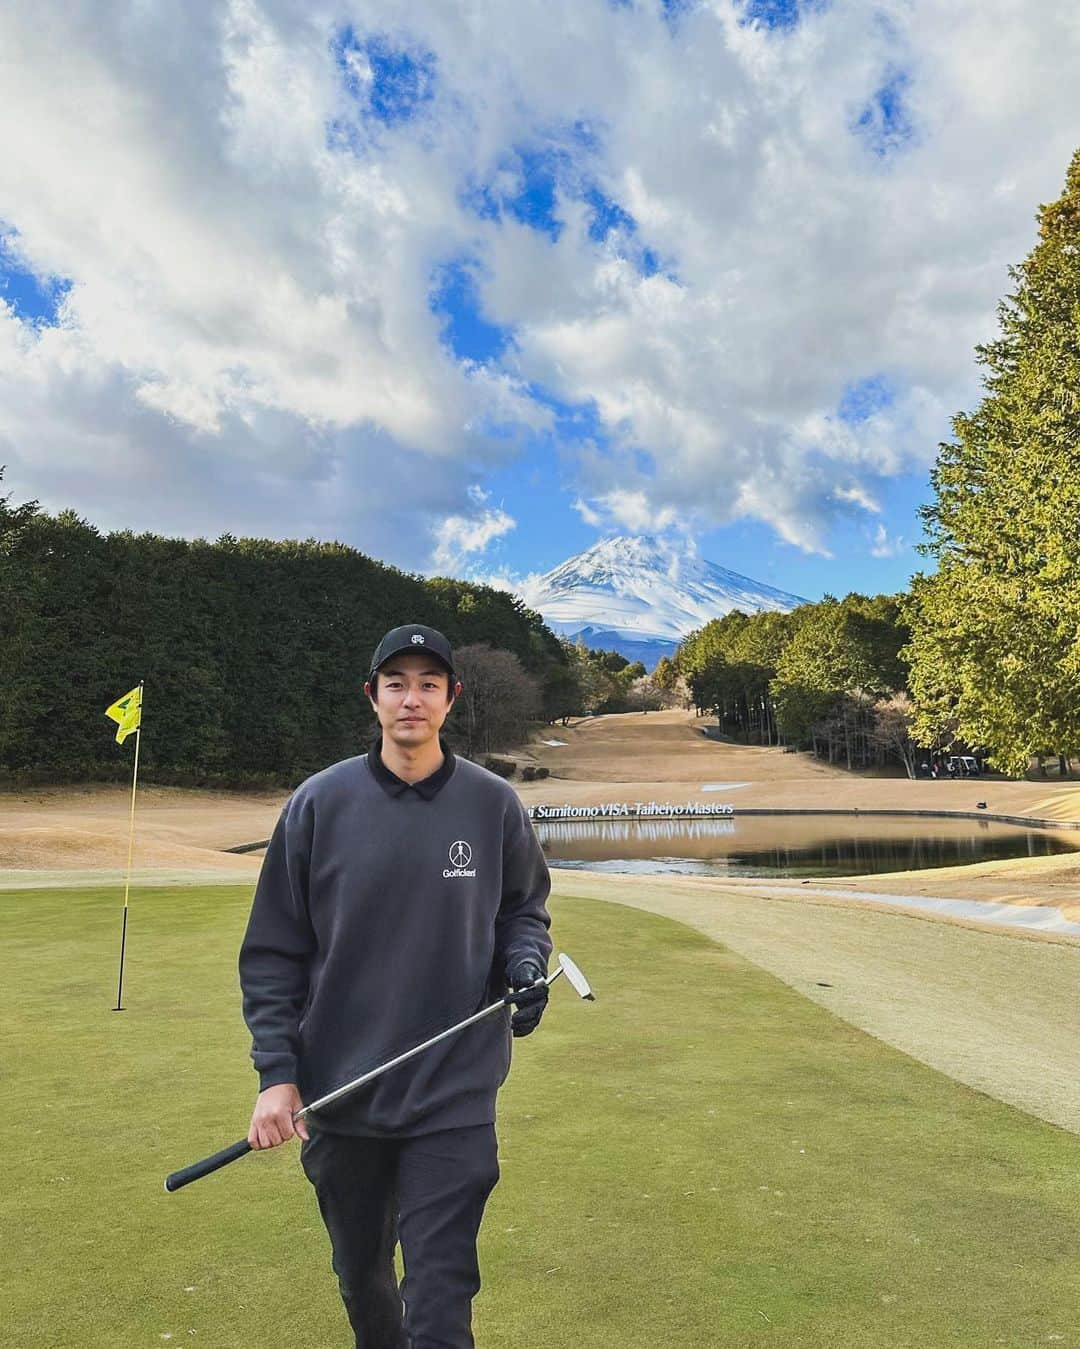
[470, 288]
[35, 300]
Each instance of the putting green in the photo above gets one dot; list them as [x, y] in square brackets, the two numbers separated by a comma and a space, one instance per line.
[701, 1158]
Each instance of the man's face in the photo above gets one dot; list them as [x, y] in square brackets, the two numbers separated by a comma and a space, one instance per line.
[410, 699]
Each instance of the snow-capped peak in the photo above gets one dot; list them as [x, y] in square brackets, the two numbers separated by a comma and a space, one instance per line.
[641, 590]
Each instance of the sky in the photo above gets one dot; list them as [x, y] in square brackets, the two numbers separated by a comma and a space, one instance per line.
[472, 286]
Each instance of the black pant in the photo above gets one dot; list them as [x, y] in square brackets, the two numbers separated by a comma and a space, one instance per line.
[429, 1192]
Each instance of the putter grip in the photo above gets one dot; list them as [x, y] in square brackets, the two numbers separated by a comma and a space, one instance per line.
[197, 1170]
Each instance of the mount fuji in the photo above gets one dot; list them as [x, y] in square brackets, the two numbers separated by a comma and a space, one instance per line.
[640, 596]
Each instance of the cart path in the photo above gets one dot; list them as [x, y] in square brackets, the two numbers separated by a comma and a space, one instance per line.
[997, 1012]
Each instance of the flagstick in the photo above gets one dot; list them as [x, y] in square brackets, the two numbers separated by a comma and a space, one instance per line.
[131, 847]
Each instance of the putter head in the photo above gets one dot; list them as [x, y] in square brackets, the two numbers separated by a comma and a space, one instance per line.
[577, 980]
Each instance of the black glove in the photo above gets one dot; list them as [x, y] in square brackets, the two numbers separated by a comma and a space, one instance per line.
[532, 1001]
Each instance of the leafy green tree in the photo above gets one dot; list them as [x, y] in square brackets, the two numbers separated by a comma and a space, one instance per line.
[729, 666]
[844, 656]
[703, 662]
[595, 684]
[666, 674]
[614, 662]
[995, 651]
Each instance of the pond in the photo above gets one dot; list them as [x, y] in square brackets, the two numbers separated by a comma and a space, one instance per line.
[790, 845]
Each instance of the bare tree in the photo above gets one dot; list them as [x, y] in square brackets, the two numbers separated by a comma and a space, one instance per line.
[892, 729]
[499, 698]
[665, 687]
[596, 685]
[645, 696]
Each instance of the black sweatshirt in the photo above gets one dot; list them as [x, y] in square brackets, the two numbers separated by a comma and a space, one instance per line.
[383, 914]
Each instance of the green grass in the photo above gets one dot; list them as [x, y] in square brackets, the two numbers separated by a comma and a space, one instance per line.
[700, 1158]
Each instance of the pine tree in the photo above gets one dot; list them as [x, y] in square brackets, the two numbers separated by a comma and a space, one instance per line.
[995, 651]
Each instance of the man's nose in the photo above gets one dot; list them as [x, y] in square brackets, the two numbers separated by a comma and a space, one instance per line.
[412, 696]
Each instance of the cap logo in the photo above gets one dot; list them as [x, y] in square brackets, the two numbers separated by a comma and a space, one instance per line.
[418, 639]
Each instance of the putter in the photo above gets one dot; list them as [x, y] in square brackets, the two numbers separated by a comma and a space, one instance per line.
[178, 1179]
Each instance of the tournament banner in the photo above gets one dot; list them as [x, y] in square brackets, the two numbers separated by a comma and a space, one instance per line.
[634, 810]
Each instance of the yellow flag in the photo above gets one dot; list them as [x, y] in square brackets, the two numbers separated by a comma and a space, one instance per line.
[127, 711]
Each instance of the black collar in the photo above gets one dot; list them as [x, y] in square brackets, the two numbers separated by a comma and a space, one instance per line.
[392, 785]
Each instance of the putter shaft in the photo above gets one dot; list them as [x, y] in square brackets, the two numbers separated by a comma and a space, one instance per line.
[361, 1081]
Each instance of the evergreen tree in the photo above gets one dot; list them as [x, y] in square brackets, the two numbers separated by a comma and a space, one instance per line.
[666, 674]
[995, 652]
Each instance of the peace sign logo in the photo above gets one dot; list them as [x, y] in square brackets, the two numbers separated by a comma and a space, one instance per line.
[460, 853]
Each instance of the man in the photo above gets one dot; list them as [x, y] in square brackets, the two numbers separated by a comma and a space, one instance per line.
[402, 890]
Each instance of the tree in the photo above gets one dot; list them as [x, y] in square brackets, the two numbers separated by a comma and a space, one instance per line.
[497, 702]
[995, 650]
[561, 689]
[844, 655]
[730, 665]
[644, 695]
[597, 686]
[702, 660]
[892, 729]
[666, 674]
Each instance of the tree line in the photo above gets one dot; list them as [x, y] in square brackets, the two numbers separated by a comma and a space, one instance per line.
[253, 652]
[828, 677]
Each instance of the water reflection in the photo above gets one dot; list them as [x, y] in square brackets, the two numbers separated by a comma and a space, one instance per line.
[801, 845]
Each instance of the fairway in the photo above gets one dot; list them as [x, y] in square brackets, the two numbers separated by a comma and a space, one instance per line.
[701, 1158]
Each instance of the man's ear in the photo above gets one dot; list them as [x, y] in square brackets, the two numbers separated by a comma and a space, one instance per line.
[367, 687]
[457, 689]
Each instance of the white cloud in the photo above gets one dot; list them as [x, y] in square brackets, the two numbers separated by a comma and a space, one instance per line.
[858, 496]
[459, 537]
[590, 516]
[525, 587]
[885, 546]
[248, 341]
[627, 510]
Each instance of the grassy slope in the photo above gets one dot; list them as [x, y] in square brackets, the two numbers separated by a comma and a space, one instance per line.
[700, 1158]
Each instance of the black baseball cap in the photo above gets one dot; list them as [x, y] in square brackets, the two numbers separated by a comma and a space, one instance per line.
[414, 638]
